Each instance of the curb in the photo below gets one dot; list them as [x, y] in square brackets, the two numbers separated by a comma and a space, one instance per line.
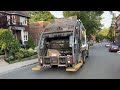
[7, 71]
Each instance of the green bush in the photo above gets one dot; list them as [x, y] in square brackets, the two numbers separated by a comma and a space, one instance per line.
[8, 42]
[30, 43]
[2, 52]
[19, 55]
[36, 50]
[25, 52]
[30, 51]
[10, 58]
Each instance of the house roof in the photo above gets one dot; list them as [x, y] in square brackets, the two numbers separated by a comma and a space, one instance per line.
[21, 13]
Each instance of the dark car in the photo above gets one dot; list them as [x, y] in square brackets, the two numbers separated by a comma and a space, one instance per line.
[114, 48]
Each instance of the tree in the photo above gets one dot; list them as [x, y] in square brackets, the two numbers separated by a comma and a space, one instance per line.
[90, 19]
[102, 34]
[111, 33]
[40, 16]
[30, 43]
[8, 43]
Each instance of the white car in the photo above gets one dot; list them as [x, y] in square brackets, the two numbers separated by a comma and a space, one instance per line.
[107, 45]
[118, 52]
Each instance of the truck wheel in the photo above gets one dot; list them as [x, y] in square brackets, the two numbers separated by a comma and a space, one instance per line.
[70, 65]
[87, 53]
[83, 57]
[41, 64]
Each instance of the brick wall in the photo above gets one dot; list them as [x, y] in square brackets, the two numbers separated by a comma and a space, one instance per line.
[117, 38]
[35, 29]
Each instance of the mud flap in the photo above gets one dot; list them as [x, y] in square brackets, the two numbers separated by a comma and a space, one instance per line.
[75, 68]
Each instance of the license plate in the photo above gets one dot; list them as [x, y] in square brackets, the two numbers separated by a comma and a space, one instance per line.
[54, 61]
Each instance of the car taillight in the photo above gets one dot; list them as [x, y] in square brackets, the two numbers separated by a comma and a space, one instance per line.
[70, 60]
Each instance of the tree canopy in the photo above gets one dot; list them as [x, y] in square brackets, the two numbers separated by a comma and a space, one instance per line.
[111, 33]
[90, 19]
[8, 42]
[40, 16]
[104, 32]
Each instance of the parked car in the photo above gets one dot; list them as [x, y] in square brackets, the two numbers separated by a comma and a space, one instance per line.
[118, 52]
[107, 45]
[114, 48]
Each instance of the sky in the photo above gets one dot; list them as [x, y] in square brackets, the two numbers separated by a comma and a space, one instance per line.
[106, 21]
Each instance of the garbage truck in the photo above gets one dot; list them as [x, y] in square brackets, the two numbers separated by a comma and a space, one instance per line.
[63, 43]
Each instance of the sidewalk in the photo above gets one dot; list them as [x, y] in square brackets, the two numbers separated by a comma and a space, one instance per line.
[10, 67]
[3, 63]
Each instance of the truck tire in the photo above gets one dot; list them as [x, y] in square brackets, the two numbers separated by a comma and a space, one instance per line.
[83, 57]
[87, 53]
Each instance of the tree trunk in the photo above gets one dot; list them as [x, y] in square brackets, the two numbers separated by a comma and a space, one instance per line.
[5, 54]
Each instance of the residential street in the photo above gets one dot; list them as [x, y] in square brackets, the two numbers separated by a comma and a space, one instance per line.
[101, 64]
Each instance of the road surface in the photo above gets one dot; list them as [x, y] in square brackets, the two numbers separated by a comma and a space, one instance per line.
[101, 64]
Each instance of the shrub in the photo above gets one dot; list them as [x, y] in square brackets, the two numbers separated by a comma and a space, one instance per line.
[31, 51]
[19, 55]
[10, 58]
[25, 52]
[8, 43]
[2, 52]
[36, 50]
[30, 43]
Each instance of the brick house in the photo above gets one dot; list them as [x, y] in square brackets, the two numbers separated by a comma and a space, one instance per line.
[17, 22]
[117, 32]
[35, 30]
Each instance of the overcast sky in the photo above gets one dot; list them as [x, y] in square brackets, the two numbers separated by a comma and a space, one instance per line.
[106, 17]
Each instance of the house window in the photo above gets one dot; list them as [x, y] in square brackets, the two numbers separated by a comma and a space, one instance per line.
[8, 19]
[25, 36]
[23, 20]
[13, 19]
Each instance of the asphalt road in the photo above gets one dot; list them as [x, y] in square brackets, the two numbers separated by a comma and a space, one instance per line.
[101, 64]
